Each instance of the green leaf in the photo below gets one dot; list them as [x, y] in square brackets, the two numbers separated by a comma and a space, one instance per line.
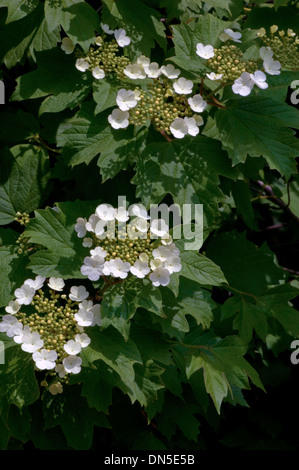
[17, 9]
[104, 95]
[13, 272]
[242, 196]
[24, 181]
[256, 126]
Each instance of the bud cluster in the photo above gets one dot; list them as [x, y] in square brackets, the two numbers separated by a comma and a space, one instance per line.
[284, 45]
[22, 218]
[50, 325]
[228, 61]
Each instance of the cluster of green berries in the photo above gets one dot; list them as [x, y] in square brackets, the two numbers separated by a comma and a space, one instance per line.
[284, 45]
[228, 61]
[22, 218]
[160, 105]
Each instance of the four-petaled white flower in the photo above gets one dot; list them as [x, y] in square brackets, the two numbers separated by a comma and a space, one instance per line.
[106, 29]
[11, 326]
[67, 45]
[135, 71]
[266, 53]
[140, 269]
[84, 317]
[56, 283]
[152, 70]
[31, 342]
[105, 212]
[37, 283]
[121, 37]
[170, 71]
[178, 128]
[78, 293]
[93, 267]
[72, 347]
[121, 214]
[80, 227]
[82, 65]
[98, 251]
[272, 67]
[243, 85]
[117, 268]
[197, 103]
[98, 73]
[143, 60]
[214, 76]
[119, 119]
[230, 34]
[173, 264]
[205, 52]
[13, 307]
[159, 227]
[126, 99]
[83, 339]
[72, 364]
[160, 277]
[259, 79]
[44, 359]
[191, 126]
[183, 86]
[24, 295]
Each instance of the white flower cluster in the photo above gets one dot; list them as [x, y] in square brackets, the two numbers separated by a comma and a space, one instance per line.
[141, 258]
[128, 99]
[33, 342]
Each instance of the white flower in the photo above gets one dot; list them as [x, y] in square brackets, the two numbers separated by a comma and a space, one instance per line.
[87, 242]
[25, 294]
[243, 85]
[141, 224]
[92, 222]
[166, 239]
[84, 317]
[178, 128]
[83, 340]
[126, 99]
[162, 253]
[98, 251]
[159, 227]
[60, 370]
[183, 86]
[119, 119]
[72, 364]
[36, 284]
[98, 73]
[173, 249]
[121, 214]
[93, 267]
[31, 342]
[100, 228]
[11, 326]
[45, 359]
[78, 293]
[117, 268]
[55, 388]
[99, 41]
[152, 70]
[140, 269]
[19, 337]
[169, 71]
[198, 119]
[82, 65]
[272, 67]
[96, 310]
[197, 103]
[106, 29]
[214, 76]
[266, 53]
[86, 305]
[121, 38]
[192, 126]
[72, 347]
[80, 227]
[205, 52]
[105, 212]
[173, 264]
[160, 277]
[135, 71]
[138, 210]
[56, 283]
[67, 45]
[143, 60]
[13, 307]
[259, 79]
[230, 34]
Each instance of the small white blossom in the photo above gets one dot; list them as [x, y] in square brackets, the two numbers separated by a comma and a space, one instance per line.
[45, 360]
[173, 264]
[259, 79]
[31, 342]
[56, 283]
[230, 34]
[162, 253]
[92, 222]
[160, 277]
[87, 242]
[135, 71]
[72, 364]
[84, 317]
[37, 283]
[140, 269]
[197, 103]
[117, 268]
[178, 128]
[192, 126]
[78, 293]
[80, 227]
[67, 45]
[72, 347]
[243, 85]
[11, 326]
[55, 388]
[141, 224]
[198, 119]
[266, 53]
[105, 212]
[60, 370]
[139, 211]
[86, 304]
[106, 29]
[13, 307]
[152, 70]
[121, 37]
[93, 267]
[100, 228]
[82, 65]
[98, 73]
[205, 52]
[173, 249]
[99, 41]
[121, 214]
[19, 337]
[98, 251]
[159, 227]
[119, 119]
[170, 71]
[83, 340]
[214, 76]
[183, 86]
[24, 295]
[96, 310]
[126, 99]
[272, 67]
[143, 60]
